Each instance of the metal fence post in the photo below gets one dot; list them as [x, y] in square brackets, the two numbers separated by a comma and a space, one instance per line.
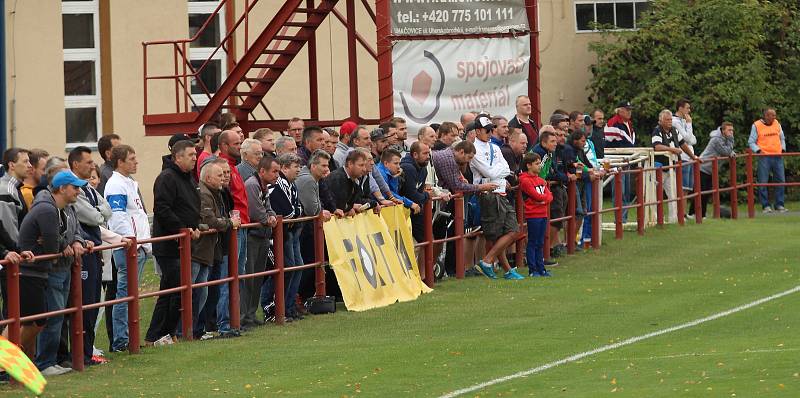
[640, 201]
[659, 196]
[458, 226]
[519, 241]
[679, 193]
[597, 217]
[185, 247]
[427, 216]
[12, 281]
[132, 257]
[698, 189]
[76, 321]
[735, 191]
[618, 203]
[233, 285]
[751, 198]
[715, 185]
[319, 256]
[277, 251]
[571, 211]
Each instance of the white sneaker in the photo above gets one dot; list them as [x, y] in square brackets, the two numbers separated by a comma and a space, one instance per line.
[55, 370]
[781, 209]
[207, 336]
[166, 340]
[767, 209]
[97, 352]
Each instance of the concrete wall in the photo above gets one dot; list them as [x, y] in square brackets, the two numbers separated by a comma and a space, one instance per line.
[34, 72]
[565, 58]
[131, 24]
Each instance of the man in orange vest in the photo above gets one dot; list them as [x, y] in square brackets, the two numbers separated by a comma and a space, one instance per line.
[766, 137]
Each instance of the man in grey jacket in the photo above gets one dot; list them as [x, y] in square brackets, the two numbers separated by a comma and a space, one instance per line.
[720, 145]
[17, 165]
[41, 234]
[258, 205]
[308, 185]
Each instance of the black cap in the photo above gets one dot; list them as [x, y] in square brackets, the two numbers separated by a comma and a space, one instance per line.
[625, 104]
[177, 138]
[377, 134]
[483, 121]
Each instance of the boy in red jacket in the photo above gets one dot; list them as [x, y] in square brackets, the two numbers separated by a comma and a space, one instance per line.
[537, 198]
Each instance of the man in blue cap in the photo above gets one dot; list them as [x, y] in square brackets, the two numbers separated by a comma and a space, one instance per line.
[47, 282]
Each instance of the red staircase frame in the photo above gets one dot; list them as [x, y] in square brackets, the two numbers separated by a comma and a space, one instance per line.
[259, 68]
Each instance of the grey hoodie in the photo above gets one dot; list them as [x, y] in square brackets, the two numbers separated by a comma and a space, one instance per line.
[46, 230]
[308, 191]
[718, 146]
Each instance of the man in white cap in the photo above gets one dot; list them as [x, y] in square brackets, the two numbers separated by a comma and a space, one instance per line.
[498, 218]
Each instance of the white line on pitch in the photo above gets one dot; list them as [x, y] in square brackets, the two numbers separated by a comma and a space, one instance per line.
[623, 343]
[697, 354]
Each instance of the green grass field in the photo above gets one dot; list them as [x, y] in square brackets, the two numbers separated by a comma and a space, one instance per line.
[473, 331]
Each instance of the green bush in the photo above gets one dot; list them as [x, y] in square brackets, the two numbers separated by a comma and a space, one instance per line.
[729, 58]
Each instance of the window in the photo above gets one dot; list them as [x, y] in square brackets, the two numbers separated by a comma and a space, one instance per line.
[590, 16]
[213, 73]
[82, 104]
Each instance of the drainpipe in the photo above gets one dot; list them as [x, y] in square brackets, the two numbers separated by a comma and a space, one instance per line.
[4, 108]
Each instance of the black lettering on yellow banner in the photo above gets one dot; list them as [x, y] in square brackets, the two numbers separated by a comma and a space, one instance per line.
[348, 247]
[381, 243]
[405, 260]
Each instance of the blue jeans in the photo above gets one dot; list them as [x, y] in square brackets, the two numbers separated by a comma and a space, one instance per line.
[534, 252]
[199, 295]
[770, 165]
[292, 257]
[48, 340]
[241, 240]
[687, 175]
[218, 272]
[119, 313]
[586, 232]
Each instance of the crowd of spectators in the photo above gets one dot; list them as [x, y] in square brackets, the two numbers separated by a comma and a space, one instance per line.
[217, 179]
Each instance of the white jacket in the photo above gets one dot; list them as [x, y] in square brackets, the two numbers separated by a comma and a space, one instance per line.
[128, 216]
[489, 166]
[686, 130]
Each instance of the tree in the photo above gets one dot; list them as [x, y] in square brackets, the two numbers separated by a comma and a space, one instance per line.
[730, 58]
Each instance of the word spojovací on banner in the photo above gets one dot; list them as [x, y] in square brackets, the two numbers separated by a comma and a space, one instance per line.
[373, 258]
[438, 80]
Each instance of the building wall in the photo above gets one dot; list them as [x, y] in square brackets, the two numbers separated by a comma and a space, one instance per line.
[565, 59]
[34, 75]
[35, 68]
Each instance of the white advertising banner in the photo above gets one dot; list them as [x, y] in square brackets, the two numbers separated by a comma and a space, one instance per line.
[438, 80]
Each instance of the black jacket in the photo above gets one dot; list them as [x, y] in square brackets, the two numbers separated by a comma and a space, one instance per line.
[177, 206]
[412, 185]
[347, 192]
[598, 138]
[514, 162]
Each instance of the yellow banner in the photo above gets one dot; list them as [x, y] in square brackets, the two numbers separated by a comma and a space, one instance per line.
[371, 268]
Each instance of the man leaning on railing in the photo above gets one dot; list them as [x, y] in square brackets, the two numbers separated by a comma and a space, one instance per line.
[44, 285]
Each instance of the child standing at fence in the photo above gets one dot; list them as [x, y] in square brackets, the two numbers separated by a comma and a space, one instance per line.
[537, 198]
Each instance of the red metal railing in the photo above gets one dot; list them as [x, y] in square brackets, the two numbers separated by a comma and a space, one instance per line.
[13, 322]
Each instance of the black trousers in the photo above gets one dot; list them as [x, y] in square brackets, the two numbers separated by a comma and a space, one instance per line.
[91, 275]
[167, 311]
